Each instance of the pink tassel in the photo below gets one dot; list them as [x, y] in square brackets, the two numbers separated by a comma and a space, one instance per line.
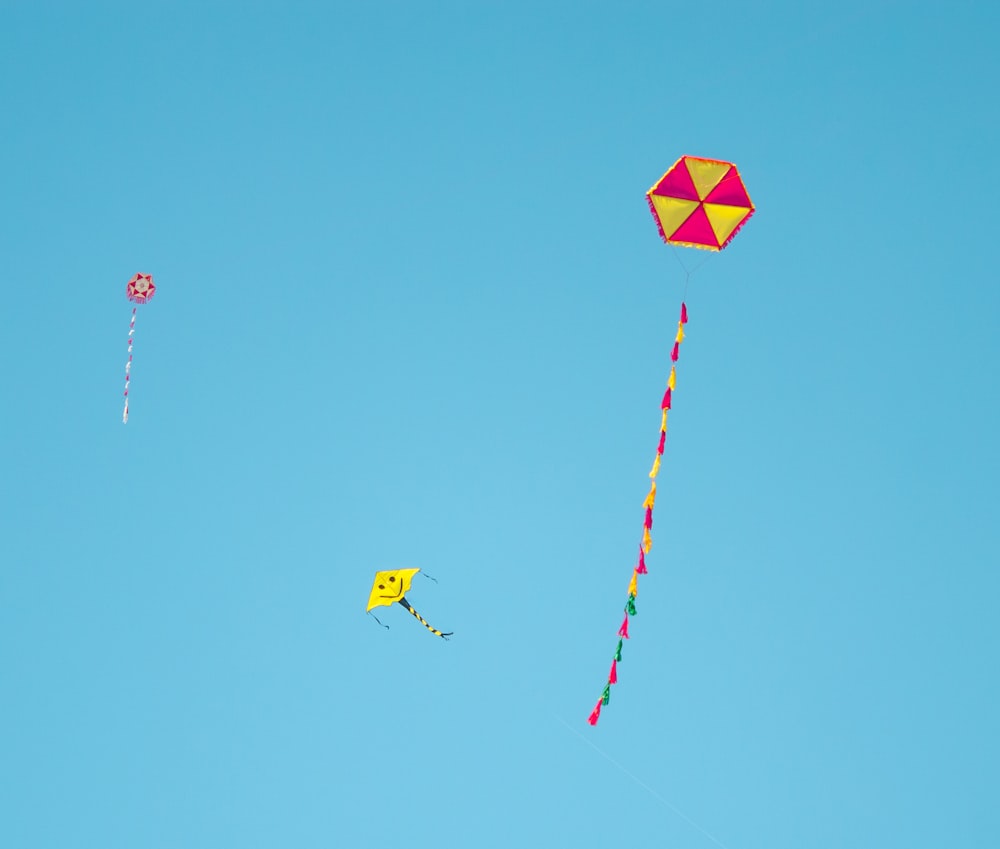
[641, 568]
[613, 677]
[623, 631]
[595, 714]
[684, 313]
[665, 404]
[676, 351]
[648, 524]
[663, 441]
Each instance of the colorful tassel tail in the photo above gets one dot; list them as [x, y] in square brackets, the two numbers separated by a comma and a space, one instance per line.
[648, 505]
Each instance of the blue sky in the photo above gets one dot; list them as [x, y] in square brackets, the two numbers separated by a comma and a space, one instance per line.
[412, 311]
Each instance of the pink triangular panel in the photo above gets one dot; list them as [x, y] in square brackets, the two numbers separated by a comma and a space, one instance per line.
[677, 183]
[696, 230]
[730, 190]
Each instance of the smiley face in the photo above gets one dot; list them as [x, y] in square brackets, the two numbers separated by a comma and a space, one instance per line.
[389, 589]
[390, 586]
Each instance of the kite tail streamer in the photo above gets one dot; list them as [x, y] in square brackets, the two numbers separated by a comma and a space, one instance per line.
[373, 616]
[128, 365]
[647, 525]
[424, 622]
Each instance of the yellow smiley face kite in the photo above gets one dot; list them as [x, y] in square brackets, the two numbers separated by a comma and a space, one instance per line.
[390, 587]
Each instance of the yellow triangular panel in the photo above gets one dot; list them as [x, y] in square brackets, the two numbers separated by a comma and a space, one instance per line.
[706, 174]
[672, 212]
[724, 219]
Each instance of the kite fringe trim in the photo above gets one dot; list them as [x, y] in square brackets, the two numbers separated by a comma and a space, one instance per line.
[647, 525]
[656, 217]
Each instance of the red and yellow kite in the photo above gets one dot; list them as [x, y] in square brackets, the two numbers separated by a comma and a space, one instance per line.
[698, 203]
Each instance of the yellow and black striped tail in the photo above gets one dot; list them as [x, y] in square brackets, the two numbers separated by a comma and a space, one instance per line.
[424, 622]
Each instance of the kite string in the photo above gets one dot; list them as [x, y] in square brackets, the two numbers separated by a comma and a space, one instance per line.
[644, 785]
[128, 365]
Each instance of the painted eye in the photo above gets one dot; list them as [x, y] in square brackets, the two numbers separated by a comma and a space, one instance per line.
[381, 586]
[392, 578]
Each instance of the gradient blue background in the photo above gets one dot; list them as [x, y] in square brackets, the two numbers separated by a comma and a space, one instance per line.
[413, 311]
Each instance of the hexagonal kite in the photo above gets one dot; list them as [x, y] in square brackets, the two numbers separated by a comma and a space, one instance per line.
[140, 290]
[698, 203]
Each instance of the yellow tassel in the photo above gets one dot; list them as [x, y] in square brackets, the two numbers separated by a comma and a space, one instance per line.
[663, 421]
[647, 540]
[680, 333]
[650, 501]
[632, 589]
[656, 468]
[672, 382]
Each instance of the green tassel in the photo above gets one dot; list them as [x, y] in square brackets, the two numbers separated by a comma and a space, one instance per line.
[618, 651]
[630, 605]
[606, 695]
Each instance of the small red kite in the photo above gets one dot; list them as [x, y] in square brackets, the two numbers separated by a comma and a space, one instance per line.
[139, 290]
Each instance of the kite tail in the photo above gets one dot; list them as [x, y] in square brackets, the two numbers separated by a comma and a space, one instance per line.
[424, 622]
[647, 526]
[128, 365]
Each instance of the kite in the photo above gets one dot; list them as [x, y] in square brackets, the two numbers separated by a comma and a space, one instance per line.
[140, 289]
[389, 587]
[698, 203]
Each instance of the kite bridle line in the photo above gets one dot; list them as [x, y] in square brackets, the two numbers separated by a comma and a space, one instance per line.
[688, 273]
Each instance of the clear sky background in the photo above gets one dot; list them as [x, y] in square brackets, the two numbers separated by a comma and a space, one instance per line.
[412, 311]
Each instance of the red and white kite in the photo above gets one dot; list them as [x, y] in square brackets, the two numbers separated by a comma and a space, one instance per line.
[139, 290]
